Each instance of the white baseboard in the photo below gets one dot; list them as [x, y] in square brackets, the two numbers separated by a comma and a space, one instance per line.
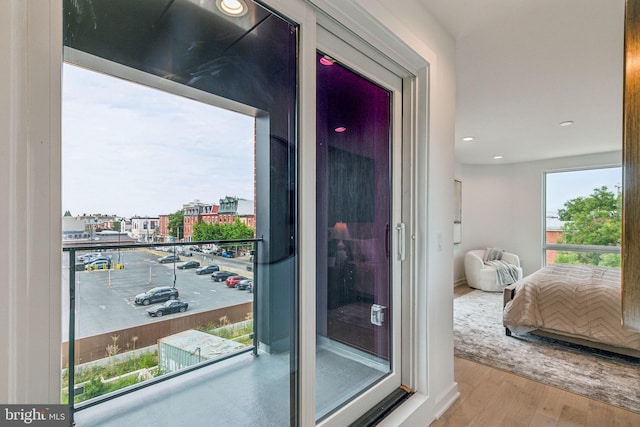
[460, 282]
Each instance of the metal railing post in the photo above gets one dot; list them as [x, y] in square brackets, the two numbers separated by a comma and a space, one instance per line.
[71, 369]
[255, 298]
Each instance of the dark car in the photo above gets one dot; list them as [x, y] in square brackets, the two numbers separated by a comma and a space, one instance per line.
[208, 269]
[158, 294]
[168, 308]
[168, 259]
[221, 276]
[185, 252]
[232, 281]
[244, 284]
[189, 264]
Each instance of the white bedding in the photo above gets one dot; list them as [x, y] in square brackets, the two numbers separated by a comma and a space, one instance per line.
[572, 300]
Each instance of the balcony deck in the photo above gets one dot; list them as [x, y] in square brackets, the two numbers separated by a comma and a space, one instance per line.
[242, 391]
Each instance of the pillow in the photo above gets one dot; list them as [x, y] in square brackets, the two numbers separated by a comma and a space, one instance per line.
[492, 254]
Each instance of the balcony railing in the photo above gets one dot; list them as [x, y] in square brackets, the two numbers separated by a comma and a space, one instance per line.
[116, 266]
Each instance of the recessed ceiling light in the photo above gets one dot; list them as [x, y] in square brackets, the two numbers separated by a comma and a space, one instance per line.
[340, 129]
[497, 157]
[468, 138]
[234, 8]
[566, 123]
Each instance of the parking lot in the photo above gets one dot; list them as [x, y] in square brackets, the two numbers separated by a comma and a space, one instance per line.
[105, 298]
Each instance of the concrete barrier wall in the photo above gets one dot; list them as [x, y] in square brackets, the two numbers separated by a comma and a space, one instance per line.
[95, 347]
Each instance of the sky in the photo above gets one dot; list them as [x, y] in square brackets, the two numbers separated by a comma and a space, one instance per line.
[132, 150]
[564, 186]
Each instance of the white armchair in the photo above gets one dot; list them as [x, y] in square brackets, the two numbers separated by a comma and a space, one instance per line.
[485, 277]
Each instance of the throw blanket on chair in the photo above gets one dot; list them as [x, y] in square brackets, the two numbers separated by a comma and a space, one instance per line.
[507, 273]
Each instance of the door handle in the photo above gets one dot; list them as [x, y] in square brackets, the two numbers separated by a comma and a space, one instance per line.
[400, 228]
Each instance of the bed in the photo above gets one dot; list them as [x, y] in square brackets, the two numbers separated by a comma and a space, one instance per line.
[574, 303]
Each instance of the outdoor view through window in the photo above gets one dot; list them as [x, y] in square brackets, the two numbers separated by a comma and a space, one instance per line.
[584, 217]
[143, 167]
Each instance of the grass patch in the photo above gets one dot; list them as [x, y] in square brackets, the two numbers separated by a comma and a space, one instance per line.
[95, 378]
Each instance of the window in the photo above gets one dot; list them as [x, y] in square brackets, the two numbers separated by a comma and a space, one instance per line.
[583, 217]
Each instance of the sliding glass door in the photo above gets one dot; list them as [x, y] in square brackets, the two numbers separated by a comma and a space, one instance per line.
[358, 270]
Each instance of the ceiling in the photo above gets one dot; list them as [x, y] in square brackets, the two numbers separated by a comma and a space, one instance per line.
[525, 66]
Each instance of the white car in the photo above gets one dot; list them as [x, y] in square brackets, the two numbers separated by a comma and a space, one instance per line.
[87, 256]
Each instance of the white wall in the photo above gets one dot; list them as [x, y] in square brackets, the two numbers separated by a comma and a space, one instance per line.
[502, 206]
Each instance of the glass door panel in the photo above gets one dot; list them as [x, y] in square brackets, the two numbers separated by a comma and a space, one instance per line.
[195, 53]
[354, 305]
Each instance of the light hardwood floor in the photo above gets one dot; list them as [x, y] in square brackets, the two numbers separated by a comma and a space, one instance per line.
[490, 397]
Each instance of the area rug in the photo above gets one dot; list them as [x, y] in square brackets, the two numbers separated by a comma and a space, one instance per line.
[479, 336]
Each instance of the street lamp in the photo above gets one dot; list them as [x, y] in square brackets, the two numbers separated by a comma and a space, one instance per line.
[174, 256]
[119, 234]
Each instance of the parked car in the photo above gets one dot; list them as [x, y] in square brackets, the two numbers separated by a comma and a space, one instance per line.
[244, 284]
[157, 294]
[95, 257]
[185, 252]
[227, 255]
[189, 264]
[208, 269]
[221, 276]
[88, 256]
[99, 264]
[168, 307]
[232, 281]
[169, 258]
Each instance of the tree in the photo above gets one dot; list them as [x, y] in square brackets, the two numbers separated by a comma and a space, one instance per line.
[592, 220]
[234, 231]
[176, 224]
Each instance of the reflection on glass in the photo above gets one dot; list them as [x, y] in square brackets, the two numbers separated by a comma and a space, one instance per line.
[353, 266]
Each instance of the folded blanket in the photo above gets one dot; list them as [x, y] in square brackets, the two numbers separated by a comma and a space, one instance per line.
[507, 273]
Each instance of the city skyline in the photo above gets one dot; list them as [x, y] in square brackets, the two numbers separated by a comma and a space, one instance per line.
[130, 150]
